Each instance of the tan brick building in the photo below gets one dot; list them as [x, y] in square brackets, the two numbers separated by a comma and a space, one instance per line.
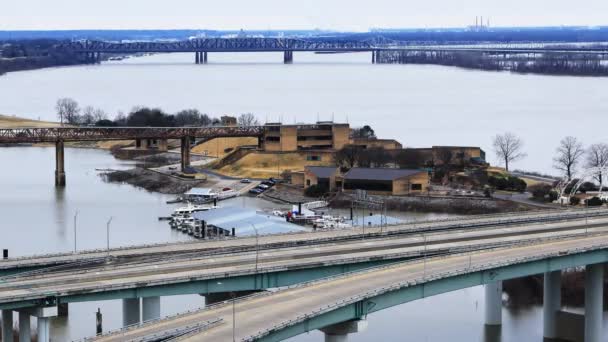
[319, 136]
[325, 176]
[385, 181]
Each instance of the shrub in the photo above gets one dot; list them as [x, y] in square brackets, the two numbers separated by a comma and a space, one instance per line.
[594, 202]
[575, 200]
[315, 191]
[508, 183]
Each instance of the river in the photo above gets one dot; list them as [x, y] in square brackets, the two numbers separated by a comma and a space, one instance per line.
[432, 106]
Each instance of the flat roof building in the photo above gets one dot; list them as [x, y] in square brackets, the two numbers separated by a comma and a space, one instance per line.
[320, 136]
[387, 181]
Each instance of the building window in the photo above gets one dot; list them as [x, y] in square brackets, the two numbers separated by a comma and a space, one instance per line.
[416, 187]
[273, 139]
[308, 182]
[313, 158]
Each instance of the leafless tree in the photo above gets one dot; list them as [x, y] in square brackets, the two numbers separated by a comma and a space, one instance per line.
[508, 148]
[569, 153]
[247, 119]
[597, 156]
[67, 111]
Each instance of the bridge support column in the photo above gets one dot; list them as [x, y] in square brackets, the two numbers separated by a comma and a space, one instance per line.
[185, 152]
[493, 313]
[150, 308]
[205, 57]
[339, 332]
[197, 57]
[288, 57]
[130, 311]
[43, 329]
[7, 325]
[552, 303]
[59, 164]
[25, 330]
[163, 145]
[594, 299]
[373, 56]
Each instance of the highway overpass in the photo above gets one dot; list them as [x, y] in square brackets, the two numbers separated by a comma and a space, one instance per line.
[278, 261]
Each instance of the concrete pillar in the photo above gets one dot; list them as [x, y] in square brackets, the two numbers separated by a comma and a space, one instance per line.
[205, 57]
[185, 152]
[493, 313]
[373, 56]
[288, 57]
[7, 325]
[339, 332]
[594, 299]
[552, 303]
[130, 311]
[43, 329]
[197, 58]
[143, 144]
[59, 164]
[63, 310]
[25, 331]
[150, 308]
[163, 145]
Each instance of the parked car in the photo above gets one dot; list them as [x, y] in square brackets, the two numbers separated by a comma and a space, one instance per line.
[263, 186]
[245, 180]
[268, 183]
[256, 191]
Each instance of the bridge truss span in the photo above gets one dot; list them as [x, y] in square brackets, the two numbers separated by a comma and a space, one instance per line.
[46, 135]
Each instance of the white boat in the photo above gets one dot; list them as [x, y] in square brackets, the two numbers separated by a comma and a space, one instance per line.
[191, 208]
[227, 194]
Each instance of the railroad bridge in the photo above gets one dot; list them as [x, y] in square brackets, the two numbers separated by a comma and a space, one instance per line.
[142, 135]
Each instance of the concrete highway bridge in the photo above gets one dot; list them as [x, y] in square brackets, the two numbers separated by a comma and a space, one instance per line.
[144, 136]
[493, 248]
[201, 47]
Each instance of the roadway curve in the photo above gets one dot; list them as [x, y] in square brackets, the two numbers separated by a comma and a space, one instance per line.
[261, 316]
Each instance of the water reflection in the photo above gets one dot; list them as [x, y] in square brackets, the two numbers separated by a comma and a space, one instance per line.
[60, 212]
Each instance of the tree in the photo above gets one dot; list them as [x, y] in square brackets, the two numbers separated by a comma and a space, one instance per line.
[373, 157]
[188, 117]
[508, 148]
[347, 156]
[365, 132]
[409, 159]
[68, 111]
[597, 156]
[146, 117]
[444, 156]
[247, 119]
[568, 156]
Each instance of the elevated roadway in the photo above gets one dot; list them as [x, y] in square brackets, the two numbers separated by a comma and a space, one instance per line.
[248, 270]
[285, 313]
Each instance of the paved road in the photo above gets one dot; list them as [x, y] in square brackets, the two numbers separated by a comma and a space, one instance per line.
[258, 313]
[230, 245]
[170, 270]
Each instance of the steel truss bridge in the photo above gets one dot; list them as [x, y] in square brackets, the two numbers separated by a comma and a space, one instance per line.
[46, 135]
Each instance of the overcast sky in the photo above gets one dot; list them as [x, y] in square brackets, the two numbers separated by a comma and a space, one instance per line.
[356, 15]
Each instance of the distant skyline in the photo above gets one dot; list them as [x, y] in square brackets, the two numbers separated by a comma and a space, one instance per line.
[339, 15]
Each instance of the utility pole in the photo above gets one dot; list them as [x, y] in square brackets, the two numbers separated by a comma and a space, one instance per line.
[75, 217]
[108, 233]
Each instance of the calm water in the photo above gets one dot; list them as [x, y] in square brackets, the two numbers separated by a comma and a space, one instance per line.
[418, 105]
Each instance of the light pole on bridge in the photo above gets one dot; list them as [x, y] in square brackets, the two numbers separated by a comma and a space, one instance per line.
[75, 218]
[108, 234]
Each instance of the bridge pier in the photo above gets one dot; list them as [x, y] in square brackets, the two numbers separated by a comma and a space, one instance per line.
[373, 56]
[552, 303]
[7, 325]
[339, 332]
[185, 152]
[205, 57]
[59, 164]
[25, 330]
[594, 299]
[493, 304]
[163, 145]
[150, 308]
[288, 57]
[130, 311]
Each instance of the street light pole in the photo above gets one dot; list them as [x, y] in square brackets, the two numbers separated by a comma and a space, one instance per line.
[75, 217]
[424, 260]
[108, 233]
[233, 295]
[257, 247]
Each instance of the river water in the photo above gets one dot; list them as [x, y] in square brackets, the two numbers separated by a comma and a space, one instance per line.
[418, 105]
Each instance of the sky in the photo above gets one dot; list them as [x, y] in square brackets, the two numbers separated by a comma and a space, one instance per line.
[343, 15]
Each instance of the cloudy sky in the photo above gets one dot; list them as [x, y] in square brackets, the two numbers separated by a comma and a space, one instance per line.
[284, 14]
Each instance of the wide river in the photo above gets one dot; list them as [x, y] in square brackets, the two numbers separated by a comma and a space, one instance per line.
[418, 105]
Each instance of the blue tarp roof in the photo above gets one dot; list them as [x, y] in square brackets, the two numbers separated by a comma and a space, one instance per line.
[244, 220]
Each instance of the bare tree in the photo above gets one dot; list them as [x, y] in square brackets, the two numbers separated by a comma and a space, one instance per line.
[597, 156]
[88, 116]
[568, 156]
[508, 148]
[348, 156]
[247, 119]
[67, 111]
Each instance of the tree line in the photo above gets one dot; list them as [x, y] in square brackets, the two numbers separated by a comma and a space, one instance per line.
[569, 154]
[69, 112]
